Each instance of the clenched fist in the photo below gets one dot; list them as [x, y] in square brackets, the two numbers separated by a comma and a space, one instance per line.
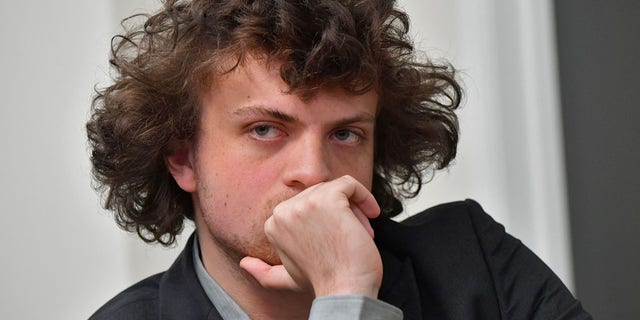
[324, 240]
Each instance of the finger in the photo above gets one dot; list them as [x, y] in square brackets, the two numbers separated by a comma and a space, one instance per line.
[360, 196]
[363, 220]
[270, 277]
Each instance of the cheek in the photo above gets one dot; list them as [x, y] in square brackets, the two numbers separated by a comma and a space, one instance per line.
[359, 167]
[245, 184]
[365, 176]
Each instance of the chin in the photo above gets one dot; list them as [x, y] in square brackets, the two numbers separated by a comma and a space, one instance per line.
[267, 254]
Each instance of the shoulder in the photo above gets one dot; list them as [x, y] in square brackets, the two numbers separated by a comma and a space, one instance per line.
[461, 254]
[140, 301]
[445, 241]
[460, 212]
[460, 223]
[466, 220]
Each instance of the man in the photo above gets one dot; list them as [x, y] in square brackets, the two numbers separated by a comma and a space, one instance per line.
[289, 131]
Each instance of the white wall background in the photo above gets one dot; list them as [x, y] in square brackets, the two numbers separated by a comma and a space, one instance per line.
[63, 256]
[510, 157]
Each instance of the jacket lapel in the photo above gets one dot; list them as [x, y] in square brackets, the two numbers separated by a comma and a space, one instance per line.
[399, 285]
[180, 294]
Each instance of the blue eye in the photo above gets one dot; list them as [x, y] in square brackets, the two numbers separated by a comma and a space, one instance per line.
[347, 136]
[262, 130]
[266, 132]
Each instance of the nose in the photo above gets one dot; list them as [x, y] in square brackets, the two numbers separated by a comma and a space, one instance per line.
[308, 163]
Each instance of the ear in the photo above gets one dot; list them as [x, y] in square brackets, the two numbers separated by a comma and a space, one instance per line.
[180, 165]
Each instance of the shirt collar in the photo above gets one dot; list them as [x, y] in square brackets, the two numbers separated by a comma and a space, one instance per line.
[225, 305]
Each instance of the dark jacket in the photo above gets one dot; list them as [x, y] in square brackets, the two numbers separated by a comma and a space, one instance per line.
[449, 262]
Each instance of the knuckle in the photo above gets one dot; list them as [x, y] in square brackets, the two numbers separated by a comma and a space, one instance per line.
[347, 179]
[314, 200]
[269, 227]
[279, 209]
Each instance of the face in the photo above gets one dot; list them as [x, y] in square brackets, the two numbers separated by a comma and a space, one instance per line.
[258, 146]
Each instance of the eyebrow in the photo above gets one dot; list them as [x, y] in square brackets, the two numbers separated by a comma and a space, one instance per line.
[265, 111]
[259, 110]
[364, 117]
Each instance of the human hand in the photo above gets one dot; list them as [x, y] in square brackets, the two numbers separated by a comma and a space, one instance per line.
[324, 240]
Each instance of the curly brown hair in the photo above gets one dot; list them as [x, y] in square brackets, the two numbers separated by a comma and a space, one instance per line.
[164, 63]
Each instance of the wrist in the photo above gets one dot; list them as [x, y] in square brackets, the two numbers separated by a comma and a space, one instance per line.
[349, 288]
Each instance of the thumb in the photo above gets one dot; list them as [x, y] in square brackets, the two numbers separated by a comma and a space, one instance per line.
[269, 277]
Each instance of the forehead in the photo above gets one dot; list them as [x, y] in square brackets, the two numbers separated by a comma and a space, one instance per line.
[257, 83]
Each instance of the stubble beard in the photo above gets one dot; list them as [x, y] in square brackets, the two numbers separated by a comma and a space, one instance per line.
[237, 246]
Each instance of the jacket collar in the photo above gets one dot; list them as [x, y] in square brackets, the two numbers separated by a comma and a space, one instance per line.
[399, 286]
[180, 294]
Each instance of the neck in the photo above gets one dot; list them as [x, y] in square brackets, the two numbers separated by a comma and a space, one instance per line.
[255, 300]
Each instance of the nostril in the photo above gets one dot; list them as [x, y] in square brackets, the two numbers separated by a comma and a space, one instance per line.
[307, 175]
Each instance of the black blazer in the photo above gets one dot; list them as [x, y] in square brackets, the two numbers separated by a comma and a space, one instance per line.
[448, 262]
